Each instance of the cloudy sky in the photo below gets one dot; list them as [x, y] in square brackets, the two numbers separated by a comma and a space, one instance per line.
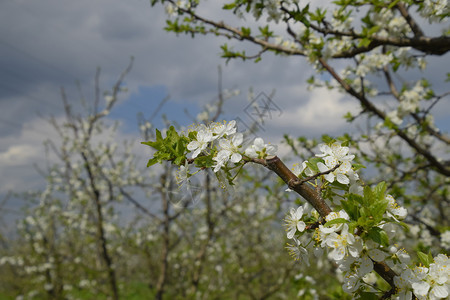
[49, 44]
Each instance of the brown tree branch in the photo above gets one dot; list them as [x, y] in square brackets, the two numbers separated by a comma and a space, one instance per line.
[276, 165]
[101, 233]
[411, 22]
[429, 45]
[164, 262]
[238, 34]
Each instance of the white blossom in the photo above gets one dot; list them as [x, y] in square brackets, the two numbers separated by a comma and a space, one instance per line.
[203, 138]
[394, 210]
[332, 156]
[298, 252]
[260, 150]
[229, 151]
[294, 222]
[221, 129]
[342, 214]
[182, 174]
[343, 244]
[445, 239]
[394, 117]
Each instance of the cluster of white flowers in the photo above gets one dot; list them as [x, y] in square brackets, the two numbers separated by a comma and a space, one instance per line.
[346, 249]
[342, 243]
[390, 25]
[410, 98]
[394, 210]
[333, 156]
[272, 8]
[340, 23]
[408, 59]
[355, 256]
[294, 223]
[409, 103]
[182, 175]
[229, 151]
[226, 137]
[228, 143]
[398, 25]
[445, 239]
[369, 63]
[334, 46]
[172, 10]
[261, 150]
[425, 283]
[288, 44]
[432, 10]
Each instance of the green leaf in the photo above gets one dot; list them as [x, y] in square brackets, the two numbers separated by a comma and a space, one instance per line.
[335, 221]
[368, 296]
[358, 166]
[380, 190]
[265, 32]
[327, 139]
[312, 163]
[369, 197]
[171, 148]
[179, 160]
[367, 20]
[246, 31]
[204, 161]
[158, 135]
[351, 208]
[229, 6]
[192, 135]
[151, 162]
[154, 145]
[349, 117]
[394, 3]
[364, 42]
[373, 30]
[352, 226]
[356, 198]
[301, 15]
[378, 209]
[379, 236]
[425, 259]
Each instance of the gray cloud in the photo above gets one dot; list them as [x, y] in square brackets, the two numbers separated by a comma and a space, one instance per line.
[122, 25]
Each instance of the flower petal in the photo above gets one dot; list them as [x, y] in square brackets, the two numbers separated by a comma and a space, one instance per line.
[341, 178]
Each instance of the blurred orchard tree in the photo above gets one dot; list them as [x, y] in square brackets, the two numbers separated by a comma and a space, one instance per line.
[366, 48]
